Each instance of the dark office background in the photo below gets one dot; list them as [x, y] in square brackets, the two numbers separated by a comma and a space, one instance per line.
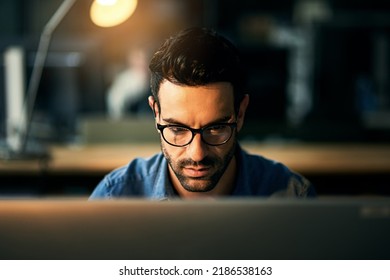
[318, 70]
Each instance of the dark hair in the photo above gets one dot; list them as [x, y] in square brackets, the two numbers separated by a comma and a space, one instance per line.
[196, 57]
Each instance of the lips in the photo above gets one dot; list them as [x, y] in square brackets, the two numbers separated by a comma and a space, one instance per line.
[196, 172]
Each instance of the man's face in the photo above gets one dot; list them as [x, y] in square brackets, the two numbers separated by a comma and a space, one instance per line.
[198, 166]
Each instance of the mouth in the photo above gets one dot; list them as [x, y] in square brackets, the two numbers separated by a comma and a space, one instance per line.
[196, 172]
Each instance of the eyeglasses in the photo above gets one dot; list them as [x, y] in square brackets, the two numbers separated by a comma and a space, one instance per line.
[180, 136]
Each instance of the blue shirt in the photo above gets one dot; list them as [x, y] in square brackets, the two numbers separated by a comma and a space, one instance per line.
[148, 178]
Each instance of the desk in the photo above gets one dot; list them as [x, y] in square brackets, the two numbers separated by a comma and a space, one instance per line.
[303, 158]
[320, 160]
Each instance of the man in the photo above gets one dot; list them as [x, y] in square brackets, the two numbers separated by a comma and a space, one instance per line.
[199, 108]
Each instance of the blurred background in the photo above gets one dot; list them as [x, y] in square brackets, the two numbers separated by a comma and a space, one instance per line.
[317, 69]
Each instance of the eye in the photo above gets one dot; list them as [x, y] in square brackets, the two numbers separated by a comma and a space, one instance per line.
[177, 130]
[216, 129]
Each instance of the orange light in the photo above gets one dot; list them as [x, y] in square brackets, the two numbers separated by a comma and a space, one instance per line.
[107, 13]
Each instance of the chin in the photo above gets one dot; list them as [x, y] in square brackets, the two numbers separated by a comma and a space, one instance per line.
[198, 187]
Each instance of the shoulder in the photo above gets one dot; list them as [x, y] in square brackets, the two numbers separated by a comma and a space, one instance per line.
[271, 178]
[138, 178]
[254, 163]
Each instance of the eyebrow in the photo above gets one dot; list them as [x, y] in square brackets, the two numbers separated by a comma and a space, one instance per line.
[172, 121]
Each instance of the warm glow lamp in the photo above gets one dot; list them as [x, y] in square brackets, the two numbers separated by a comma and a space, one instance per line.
[105, 13]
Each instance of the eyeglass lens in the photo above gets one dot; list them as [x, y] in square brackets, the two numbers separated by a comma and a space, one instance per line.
[181, 136]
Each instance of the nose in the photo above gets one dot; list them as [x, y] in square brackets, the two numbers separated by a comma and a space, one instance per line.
[197, 149]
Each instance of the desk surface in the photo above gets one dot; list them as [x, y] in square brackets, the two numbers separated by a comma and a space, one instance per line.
[303, 158]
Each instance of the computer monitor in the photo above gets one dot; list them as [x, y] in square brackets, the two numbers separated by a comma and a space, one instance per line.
[234, 229]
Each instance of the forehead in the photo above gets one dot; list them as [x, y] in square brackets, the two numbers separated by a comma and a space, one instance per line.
[197, 105]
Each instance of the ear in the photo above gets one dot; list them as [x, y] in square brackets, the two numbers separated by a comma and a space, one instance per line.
[241, 112]
[153, 105]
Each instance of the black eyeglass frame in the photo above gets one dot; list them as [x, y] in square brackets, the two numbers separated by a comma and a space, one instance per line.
[194, 131]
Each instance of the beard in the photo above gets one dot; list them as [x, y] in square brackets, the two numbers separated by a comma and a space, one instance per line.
[217, 166]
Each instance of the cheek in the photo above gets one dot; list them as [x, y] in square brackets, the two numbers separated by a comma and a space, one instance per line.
[227, 149]
[174, 153]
